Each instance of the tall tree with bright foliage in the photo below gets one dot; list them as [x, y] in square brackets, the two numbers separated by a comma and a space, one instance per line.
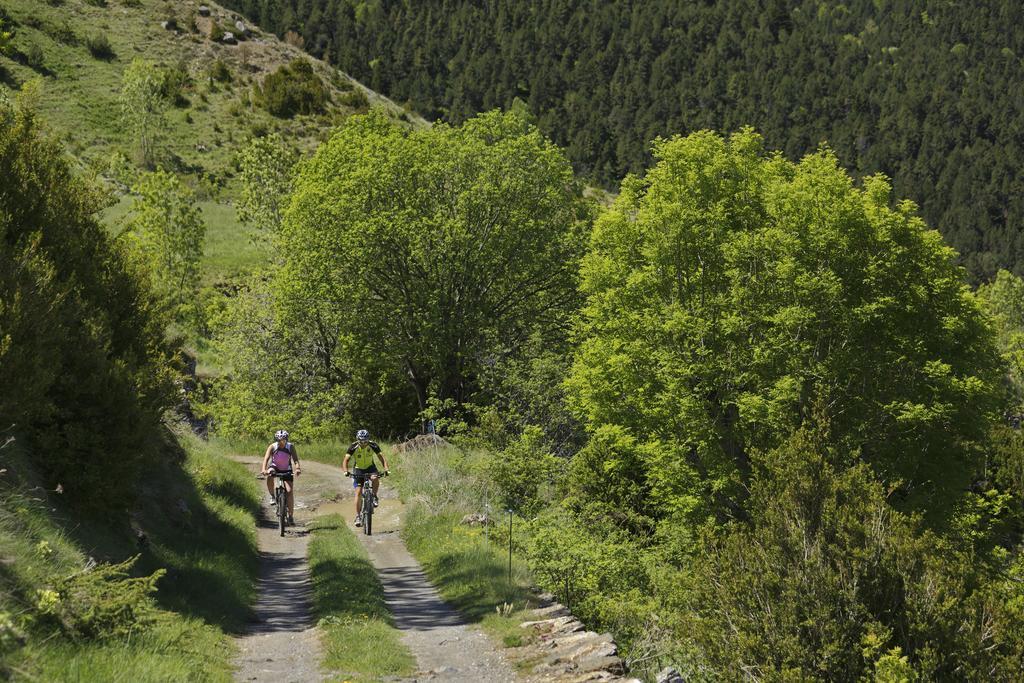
[730, 292]
[428, 249]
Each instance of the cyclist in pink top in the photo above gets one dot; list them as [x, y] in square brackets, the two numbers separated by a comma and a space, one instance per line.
[277, 462]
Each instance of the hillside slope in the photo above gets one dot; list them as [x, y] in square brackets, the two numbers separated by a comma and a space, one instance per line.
[927, 92]
[217, 110]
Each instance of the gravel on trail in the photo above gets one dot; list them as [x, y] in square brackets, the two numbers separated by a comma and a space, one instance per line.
[282, 644]
[446, 646]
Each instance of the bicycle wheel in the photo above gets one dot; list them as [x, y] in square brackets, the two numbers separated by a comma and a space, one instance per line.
[282, 508]
[367, 510]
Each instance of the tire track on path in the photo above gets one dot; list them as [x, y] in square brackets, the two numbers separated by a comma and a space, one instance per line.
[283, 643]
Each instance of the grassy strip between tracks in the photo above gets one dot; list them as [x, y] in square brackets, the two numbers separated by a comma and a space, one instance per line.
[359, 638]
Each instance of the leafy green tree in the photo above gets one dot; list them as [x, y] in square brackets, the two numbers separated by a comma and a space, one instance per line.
[143, 106]
[294, 88]
[730, 290]
[170, 231]
[285, 371]
[525, 386]
[429, 248]
[1003, 300]
[82, 346]
[525, 472]
[267, 171]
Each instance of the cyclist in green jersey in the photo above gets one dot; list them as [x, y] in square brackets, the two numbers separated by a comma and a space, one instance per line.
[362, 453]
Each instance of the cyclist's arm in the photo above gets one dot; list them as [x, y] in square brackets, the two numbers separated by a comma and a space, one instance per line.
[295, 459]
[266, 457]
[344, 465]
[380, 454]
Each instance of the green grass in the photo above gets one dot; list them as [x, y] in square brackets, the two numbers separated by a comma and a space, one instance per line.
[229, 250]
[468, 565]
[469, 570]
[174, 649]
[327, 452]
[358, 635]
[197, 513]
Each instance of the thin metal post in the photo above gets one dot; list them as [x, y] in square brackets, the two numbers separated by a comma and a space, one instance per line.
[509, 547]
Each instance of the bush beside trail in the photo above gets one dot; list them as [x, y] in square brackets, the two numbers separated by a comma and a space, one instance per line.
[80, 338]
[148, 596]
[126, 552]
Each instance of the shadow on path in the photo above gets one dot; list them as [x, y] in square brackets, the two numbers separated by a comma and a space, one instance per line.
[414, 602]
[285, 594]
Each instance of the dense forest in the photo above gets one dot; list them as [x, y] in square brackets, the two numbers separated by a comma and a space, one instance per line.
[930, 93]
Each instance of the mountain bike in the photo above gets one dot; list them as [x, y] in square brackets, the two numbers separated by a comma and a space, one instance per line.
[368, 503]
[280, 497]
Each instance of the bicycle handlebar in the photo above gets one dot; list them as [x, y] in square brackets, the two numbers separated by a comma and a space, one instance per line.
[264, 476]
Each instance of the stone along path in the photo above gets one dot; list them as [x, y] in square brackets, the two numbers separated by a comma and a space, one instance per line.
[283, 645]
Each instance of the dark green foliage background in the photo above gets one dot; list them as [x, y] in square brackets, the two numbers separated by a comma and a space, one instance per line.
[930, 93]
[82, 350]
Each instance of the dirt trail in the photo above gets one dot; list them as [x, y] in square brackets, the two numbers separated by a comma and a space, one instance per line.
[447, 648]
[283, 643]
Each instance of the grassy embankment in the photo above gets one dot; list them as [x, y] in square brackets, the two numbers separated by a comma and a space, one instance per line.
[196, 512]
[358, 634]
[468, 564]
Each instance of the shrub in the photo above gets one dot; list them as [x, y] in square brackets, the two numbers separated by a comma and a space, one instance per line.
[96, 3]
[103, 602]
[99, 47]
[34, 57]
[354, 98]
[524, 473]
[64, 33]
[829, 580]
[216, 32]
[220, 71]
[294, 89]
[176, 79]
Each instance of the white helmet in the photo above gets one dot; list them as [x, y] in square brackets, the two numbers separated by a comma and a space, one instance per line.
[281, 434]
[362, 435]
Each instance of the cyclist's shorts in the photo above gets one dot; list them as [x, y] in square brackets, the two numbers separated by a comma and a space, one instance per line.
[359, 475]
[285, 475]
